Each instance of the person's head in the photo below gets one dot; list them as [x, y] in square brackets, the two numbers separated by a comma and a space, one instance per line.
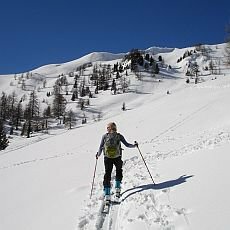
[111, 127]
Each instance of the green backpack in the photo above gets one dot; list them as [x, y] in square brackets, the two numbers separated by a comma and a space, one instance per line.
[112, 145]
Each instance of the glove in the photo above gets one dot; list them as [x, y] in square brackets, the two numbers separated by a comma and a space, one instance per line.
[97, 156]
[136, 144]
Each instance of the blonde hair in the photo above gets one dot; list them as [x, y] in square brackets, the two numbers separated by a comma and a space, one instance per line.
[113, 126]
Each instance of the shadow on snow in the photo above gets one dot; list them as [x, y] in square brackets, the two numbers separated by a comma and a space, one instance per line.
[160, 186]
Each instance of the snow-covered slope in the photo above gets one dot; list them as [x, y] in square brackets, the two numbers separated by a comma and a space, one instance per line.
[56, 69]
[157, 50]
[184, 137]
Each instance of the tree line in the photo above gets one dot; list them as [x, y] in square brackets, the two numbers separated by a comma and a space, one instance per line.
[26, 116]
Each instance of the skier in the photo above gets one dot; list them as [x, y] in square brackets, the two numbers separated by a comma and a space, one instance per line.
[123, 106]
[111, 147]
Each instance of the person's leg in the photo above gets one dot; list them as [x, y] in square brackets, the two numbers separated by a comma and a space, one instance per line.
[119, 172]
[119, 175]
[108, 163]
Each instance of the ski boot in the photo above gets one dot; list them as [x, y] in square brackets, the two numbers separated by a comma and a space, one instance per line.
[107, 195]
[118, 189]
[107, 200]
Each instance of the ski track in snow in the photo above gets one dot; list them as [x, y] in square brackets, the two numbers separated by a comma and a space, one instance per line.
[143, 201]
[22, 163]
[30, 141]
[208, 139]
[148, 203]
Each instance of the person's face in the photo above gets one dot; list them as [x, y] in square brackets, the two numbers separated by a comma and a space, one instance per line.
[109, 128]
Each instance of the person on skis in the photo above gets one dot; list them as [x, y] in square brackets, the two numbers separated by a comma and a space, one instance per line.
[111, 147]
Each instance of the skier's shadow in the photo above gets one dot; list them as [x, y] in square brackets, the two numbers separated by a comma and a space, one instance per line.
[160, 186]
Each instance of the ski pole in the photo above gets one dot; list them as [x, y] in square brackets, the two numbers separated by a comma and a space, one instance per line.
[144, 162]
[93, 178]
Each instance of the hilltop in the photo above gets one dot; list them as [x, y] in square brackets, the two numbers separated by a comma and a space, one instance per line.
[182, 128]
[82, 84]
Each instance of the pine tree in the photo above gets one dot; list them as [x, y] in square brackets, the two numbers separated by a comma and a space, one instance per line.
[59, 105]
[3, 139]
[3, 106]
[157, 70]
[33, 105]
[147, 57]
[70, 119]
[11, 104]
[31, 112]
[47, 112]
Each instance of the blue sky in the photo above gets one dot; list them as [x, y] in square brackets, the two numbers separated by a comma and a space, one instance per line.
[36, 33]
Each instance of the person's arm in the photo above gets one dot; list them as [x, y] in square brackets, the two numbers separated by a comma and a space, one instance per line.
[101, 146]
[128, 145]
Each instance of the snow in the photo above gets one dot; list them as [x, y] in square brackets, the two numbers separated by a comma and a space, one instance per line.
[184, 138]
[54, 69]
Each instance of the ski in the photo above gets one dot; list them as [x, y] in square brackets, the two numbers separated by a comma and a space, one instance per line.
[108, 201]
[106, 207]
[116, 199]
